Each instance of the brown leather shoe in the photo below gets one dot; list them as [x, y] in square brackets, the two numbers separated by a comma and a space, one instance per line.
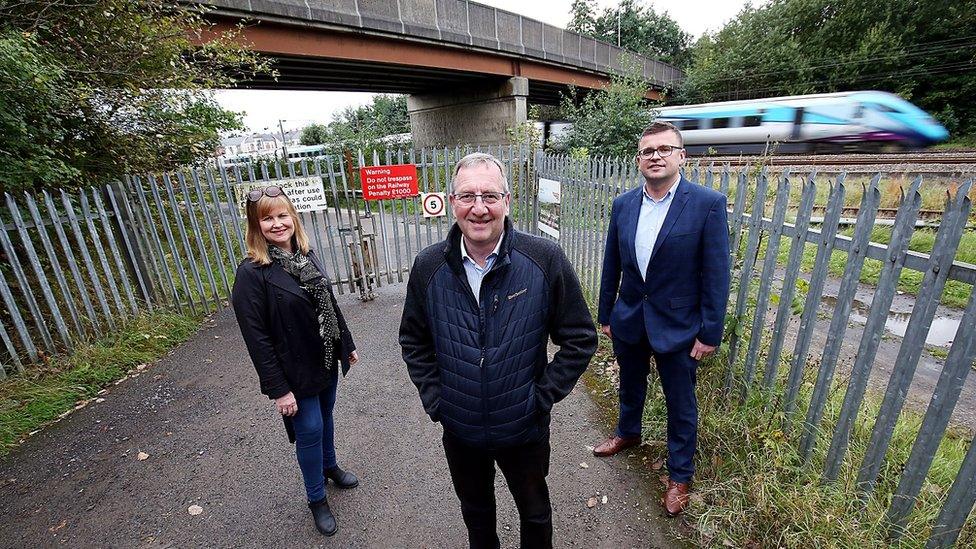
[614, 445]
[675, 498]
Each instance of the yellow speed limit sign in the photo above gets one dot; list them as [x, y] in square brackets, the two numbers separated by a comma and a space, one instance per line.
[434, 204]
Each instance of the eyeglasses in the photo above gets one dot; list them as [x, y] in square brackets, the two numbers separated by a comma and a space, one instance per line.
[663, 151]
[270, 191]
[487, 198]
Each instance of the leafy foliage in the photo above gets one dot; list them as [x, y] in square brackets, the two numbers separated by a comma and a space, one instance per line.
[96, 88]
[361, 127]
[791, 47]
[607, 122]
[640, 29]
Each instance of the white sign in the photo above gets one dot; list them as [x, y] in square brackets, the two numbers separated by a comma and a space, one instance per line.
[549, 198]
[434, 204]
[307, 194]
[549, 191]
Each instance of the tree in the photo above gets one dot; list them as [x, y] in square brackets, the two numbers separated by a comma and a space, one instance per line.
[361, 127]
[93, 89]
[608, 122]
[640, 29]
[582, 17]
[816, 46]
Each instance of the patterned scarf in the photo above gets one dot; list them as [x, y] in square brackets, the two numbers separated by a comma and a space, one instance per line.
[299, 266]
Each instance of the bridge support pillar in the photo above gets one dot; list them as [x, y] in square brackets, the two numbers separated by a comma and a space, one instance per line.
[476, 116]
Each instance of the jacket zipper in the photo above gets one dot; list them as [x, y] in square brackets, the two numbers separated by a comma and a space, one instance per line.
[482, 320]
[479, 303]
[482, 330]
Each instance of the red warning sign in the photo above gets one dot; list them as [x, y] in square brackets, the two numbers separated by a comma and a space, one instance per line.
[389, 182]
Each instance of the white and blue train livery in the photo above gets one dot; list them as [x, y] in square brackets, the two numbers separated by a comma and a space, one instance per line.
[831, 122]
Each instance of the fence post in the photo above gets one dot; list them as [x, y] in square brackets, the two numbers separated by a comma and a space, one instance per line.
[135, 256]
[745, 274]
[874, 327]
[825, 245]
[858, 251]
[797, 245]
[766, 281]
[35, 262]
[944, 399]
[958, 504]
[26, 289]
[738, 209]
[946, 242]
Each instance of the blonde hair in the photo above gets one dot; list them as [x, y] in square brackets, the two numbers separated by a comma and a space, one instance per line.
[257, 245]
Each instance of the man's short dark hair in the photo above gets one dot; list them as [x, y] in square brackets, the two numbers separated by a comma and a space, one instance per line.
[658, 127]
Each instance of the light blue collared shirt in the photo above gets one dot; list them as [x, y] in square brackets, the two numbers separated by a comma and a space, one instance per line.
[652, 214]
[476, 273]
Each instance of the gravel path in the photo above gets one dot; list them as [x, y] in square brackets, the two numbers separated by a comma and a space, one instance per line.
[213, 441]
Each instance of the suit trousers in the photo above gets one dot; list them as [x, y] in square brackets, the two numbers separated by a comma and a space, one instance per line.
[678, 375]
[525, 469]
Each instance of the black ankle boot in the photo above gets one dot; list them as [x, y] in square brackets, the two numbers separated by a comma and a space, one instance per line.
[324, 519]
[342, 479]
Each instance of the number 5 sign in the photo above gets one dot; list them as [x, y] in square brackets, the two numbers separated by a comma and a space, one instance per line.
[433, 204]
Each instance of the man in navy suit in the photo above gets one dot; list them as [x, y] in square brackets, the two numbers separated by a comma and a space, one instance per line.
[663, 293]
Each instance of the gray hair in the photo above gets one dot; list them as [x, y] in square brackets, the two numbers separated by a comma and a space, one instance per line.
[484, 159]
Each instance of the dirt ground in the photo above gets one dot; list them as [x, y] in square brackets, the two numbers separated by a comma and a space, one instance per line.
[213, 441]
[927, 371]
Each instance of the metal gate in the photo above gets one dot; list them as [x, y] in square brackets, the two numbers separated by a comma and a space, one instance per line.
[80, 261]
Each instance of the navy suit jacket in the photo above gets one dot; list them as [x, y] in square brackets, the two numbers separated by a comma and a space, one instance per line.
[686, 289]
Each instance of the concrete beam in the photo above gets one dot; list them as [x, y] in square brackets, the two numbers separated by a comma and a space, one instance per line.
[455, 24]
[472, 116]
[309, 42]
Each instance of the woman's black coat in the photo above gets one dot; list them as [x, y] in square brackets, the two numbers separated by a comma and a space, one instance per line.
[280, 327]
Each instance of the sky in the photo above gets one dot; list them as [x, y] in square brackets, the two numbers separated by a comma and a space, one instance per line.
[263, 109]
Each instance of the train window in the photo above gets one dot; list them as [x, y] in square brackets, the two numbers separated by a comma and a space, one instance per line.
[680, 124]
[718, 123]
[690, 124]
[752, 121]
[885, 108]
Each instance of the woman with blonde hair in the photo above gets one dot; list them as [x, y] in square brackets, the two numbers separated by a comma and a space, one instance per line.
[297, 339]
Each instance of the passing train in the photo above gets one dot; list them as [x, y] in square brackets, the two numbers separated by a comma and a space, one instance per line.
[867, 121]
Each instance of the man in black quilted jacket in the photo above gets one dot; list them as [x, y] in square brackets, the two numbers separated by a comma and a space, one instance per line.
[480, 310]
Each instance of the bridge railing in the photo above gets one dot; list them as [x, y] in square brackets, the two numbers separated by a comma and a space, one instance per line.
[773, 233]
[463, 22]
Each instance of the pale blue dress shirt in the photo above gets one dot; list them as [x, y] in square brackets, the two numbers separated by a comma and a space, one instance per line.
[475, 272]
[652, 214]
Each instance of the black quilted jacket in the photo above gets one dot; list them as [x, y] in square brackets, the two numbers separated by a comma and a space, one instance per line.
[483, 371]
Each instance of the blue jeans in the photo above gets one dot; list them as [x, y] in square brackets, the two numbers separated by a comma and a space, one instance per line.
[678, 376]
[315, 439]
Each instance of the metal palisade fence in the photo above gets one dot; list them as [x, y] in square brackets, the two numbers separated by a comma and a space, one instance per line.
[76, 263]
[766, 292]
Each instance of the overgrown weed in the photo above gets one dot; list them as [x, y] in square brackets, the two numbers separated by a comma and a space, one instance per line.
[752, 486]
[42, 394]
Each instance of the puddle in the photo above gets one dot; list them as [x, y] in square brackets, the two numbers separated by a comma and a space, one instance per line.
[941, 332]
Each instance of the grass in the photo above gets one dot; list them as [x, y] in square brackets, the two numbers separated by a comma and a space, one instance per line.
[41, 395]
[752, 487]
[956, 294]
[966, 142]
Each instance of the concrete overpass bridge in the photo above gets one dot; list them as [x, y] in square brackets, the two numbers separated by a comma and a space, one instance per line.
[470, 70]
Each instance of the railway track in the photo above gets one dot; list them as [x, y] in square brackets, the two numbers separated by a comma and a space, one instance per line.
[948, 160]
[883, 213]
